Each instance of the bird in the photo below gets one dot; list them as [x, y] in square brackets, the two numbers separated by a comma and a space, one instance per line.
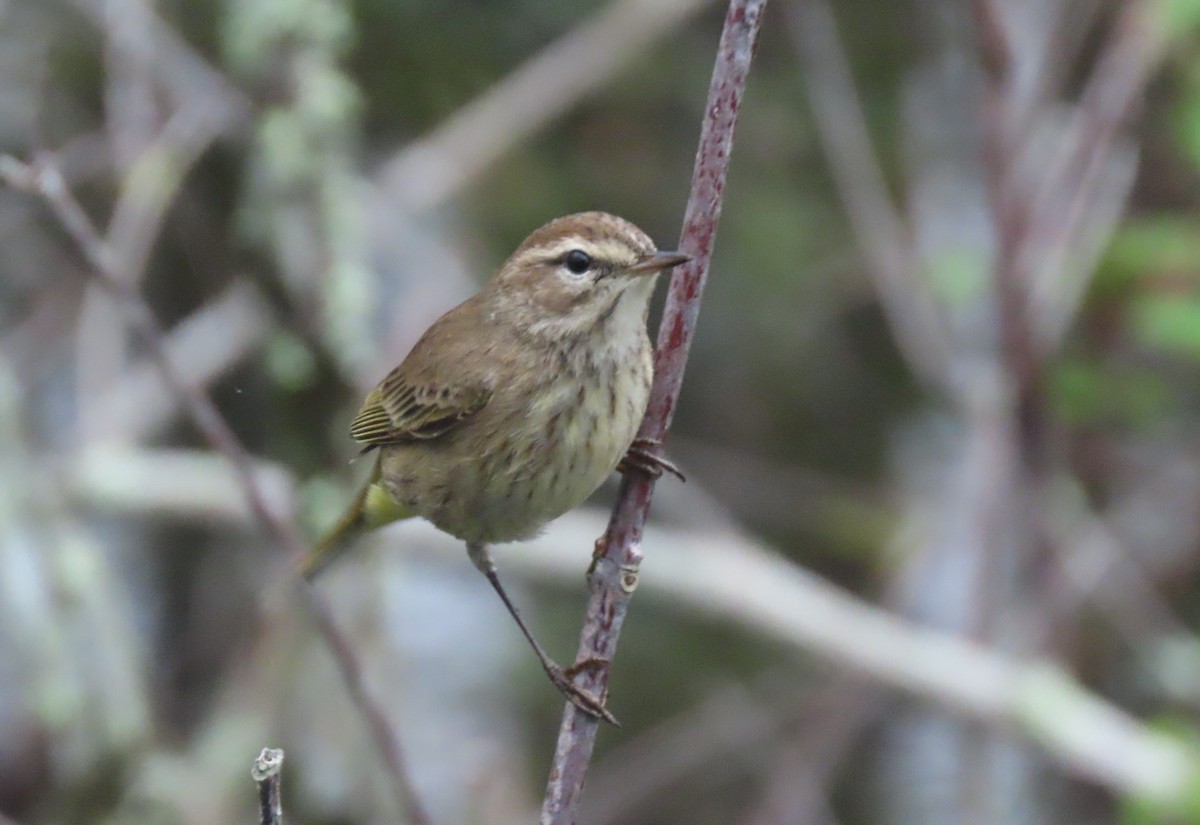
[517, 404]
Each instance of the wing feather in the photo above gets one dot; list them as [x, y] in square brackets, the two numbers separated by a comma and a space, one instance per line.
[398, 411]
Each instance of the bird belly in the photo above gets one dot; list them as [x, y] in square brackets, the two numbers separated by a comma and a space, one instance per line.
[558, 446]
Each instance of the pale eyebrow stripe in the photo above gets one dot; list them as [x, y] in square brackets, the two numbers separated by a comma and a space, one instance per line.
[606, 250]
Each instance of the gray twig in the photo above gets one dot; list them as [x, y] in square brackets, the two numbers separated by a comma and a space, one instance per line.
[267, 772]
[44, 179]
[619, 554]
[885, 241]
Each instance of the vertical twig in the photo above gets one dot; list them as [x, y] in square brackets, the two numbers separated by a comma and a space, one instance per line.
[267, 772]
[1038, 222]
[886, 242]
[619, 554]
[44, 179]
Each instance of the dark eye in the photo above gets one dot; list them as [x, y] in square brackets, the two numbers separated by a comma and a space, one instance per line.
[578, 261]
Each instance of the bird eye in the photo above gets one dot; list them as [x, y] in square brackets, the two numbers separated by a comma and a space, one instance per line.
[578, 261]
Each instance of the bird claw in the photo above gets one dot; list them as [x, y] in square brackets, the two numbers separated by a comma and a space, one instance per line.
[563, 679]
[642, 455]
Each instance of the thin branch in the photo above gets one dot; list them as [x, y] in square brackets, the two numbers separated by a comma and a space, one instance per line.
[44, 179]
[203, 346]
[1068, 197]
[885, 241]
[267, 772]
[615, 572]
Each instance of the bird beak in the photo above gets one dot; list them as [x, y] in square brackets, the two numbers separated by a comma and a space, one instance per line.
[658, 262]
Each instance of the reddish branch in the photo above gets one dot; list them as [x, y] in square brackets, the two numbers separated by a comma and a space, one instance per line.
[615, 574]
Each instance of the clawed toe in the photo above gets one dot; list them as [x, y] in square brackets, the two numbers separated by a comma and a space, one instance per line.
[642, 456]
[586, 702]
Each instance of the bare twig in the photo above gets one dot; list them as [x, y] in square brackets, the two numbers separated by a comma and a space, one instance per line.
[44, 179]
[267, 772]
[615, 573]
[886, 242]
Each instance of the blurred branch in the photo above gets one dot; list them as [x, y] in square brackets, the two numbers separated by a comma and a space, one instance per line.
[1069, 197]
[730, 721]
[1094, 566]
[185, 75]
[775, 728]
[152, 179]
[131, 106]
[886, 243]
[203, 346]
[1056, 186]
[129, 479]
[430, 171]
[266, 771]
[614, 573]
[800, 783]
[44, 180]
[731, 577]
[774, 495]
[734, 578]
[1043, 204]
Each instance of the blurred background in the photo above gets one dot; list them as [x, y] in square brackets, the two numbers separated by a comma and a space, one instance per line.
[937, 555]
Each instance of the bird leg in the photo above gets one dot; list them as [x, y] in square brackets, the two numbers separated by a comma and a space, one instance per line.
[643, 455]
[561, 678]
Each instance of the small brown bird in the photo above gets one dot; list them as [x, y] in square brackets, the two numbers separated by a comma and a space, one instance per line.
[519, 402]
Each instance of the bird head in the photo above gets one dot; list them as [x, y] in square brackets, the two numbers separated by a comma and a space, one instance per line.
[574, 274]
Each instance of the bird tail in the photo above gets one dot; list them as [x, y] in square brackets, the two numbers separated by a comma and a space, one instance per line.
[372, 507]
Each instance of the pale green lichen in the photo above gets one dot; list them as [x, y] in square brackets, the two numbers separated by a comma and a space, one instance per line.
[301, 200]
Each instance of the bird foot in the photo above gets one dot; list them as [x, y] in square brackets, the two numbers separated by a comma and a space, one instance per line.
[563, 679]
[642, 455]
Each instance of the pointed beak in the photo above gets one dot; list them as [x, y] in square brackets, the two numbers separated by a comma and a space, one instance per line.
[658, 262]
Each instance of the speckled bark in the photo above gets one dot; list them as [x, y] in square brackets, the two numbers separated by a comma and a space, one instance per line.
[614, 578]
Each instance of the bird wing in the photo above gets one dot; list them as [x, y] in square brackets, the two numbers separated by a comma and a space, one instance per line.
[401, 409]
